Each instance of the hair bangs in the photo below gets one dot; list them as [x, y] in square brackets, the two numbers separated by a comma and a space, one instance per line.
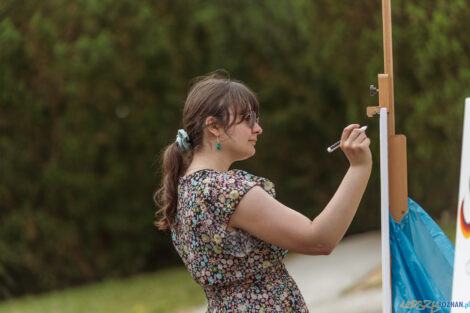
[242, 100]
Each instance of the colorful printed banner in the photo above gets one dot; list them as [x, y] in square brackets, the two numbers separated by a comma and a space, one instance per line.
[461, 282]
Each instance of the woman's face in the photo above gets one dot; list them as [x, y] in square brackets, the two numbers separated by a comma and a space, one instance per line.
[242, 141]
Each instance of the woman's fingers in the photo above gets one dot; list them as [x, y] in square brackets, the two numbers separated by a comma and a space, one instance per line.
[355, 137]
[347, 131]
[355, 145]
[361, 138]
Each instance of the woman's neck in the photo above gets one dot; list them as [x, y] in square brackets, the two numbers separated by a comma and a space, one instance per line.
[215, 161]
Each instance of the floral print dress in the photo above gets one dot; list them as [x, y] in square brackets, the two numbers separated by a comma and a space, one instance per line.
[237, 271]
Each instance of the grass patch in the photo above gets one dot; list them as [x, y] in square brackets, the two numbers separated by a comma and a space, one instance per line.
[170, 290]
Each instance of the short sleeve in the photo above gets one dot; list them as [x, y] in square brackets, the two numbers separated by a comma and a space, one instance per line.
[227, 190]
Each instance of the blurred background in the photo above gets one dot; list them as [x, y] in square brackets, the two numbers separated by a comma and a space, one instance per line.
[92, 91]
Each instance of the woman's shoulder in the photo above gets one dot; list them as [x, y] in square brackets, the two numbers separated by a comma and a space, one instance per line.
[267, 184]
[246, 175]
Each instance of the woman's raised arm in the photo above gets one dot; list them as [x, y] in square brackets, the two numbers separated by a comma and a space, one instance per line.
[267, 219]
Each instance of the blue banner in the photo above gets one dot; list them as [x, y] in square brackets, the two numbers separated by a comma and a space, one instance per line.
[422, 260]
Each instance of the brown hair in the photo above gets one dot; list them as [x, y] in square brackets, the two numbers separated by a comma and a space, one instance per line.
[210, 95]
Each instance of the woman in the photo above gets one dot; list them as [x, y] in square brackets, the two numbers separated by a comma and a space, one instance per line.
[226, 225]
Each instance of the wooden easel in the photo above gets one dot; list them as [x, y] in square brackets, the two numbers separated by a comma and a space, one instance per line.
[397, 167]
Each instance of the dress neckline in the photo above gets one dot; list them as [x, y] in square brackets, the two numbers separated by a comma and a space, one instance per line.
[207, 169]
[191, 174]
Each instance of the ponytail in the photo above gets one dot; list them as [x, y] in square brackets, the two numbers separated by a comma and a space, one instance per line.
[174, 166]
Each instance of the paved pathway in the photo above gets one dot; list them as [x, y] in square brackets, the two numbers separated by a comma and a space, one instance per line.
[322, 279]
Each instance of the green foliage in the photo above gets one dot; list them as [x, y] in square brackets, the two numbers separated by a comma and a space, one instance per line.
[92, 91]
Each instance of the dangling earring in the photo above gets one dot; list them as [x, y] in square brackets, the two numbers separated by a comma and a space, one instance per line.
[218, 144]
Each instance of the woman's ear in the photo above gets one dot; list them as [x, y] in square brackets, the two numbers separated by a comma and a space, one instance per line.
[212, 126]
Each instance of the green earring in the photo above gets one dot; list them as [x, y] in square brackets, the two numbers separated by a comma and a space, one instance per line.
[218, 144]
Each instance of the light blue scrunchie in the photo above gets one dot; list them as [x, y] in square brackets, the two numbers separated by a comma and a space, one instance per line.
[182, 139]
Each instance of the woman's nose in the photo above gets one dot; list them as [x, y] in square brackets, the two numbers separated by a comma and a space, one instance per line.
[257, 129]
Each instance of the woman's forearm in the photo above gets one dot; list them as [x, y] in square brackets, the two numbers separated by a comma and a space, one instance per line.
[336, 217]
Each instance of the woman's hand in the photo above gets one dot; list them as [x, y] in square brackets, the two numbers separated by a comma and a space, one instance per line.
[355, 145]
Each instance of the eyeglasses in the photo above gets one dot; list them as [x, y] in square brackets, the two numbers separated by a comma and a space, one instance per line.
[252, 118]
